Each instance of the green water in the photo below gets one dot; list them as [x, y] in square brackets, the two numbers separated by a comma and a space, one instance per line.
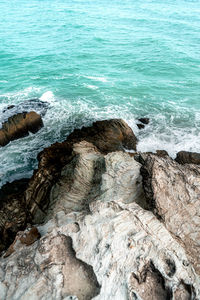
[101, 59]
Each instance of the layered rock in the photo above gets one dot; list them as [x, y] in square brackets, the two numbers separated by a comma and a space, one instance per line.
[111, 230]
[173, 194]
[13, 212]
[19, 126]
[106, 135]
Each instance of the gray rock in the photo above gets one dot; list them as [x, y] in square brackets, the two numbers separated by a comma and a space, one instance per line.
[98, 242]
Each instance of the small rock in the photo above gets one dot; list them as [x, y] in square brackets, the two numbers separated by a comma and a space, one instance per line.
[162, 153]
[140, 126]
[144, 120]
[19, 126]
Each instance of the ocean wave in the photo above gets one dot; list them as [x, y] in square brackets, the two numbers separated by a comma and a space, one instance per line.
[101, 79]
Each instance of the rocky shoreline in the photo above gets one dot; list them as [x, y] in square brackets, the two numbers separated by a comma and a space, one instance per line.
[98, 222]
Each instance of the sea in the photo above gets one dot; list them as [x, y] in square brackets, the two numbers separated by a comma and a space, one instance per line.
[90, 60]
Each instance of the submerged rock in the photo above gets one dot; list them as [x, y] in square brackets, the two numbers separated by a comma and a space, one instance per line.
[19, 126]
[184, 157]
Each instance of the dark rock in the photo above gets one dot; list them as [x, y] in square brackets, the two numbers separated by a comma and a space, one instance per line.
[19, 126]
[107, 136]
[184, 157]
[140, 126]
[162, 153]
[13, 213]
[144, 120]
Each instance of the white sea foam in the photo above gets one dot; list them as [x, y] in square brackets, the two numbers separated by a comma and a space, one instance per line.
[90, 86]
[48, 97]
[101, 79]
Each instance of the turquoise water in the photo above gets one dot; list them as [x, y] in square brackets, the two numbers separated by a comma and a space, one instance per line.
[101, 59]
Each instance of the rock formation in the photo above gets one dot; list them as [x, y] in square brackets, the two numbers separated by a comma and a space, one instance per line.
[113, 227]
[184, 157]
[19, 126]
[173, 195]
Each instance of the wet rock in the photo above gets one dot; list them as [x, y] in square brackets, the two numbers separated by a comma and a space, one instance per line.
[144, 120]
[184, 157]
[140, 126]
[162, 153]
[35, 104]
[172, 194]
[19, 126]
[107, 135]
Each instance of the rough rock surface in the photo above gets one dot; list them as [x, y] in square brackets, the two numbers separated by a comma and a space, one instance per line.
[107, 136]
[184, 157]
[31, 205]
[13, 213]
[19, 126]
[173, 194]
[98, 242]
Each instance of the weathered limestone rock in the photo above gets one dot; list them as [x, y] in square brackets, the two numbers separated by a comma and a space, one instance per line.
[184, 157]
[98, 241]
[173, 194]
[106, 136]
[19, 126]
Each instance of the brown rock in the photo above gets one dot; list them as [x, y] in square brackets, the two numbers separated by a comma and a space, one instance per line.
[33, 202]
[184, 157]
[19, 126]
[107, 136]
[26, 237]
[172, 193]
[13, 212]
[162, 153]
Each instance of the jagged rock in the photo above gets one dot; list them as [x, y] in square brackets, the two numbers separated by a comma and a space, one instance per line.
[161, 153]
[173, 194]
[19, 126]
[98, 242]
[28, 237]
[13, 213]
[184, 157]
[144, 120]
[106, 136]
